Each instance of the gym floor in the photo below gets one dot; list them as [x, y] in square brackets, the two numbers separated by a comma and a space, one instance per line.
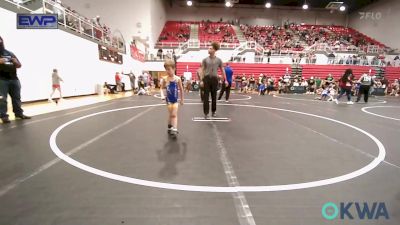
[278, 160]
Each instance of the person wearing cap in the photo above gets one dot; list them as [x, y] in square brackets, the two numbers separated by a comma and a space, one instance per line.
[9, 84]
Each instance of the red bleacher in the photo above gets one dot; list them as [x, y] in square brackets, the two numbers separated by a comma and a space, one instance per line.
[392, 73]
[278, 70]
[174, 31]
[279, 35]
[216, 31]
[269, 37]
[336, 70]
[239, 68]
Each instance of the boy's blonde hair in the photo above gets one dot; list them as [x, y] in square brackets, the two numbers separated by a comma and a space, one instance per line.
[169, 63]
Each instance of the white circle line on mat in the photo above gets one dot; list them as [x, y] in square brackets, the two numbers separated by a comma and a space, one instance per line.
[375, 114]
[220, 189]
[191, 99]
[316, 100]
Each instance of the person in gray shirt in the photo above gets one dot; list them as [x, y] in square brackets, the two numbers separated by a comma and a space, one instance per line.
[210, 66]
[132, 79]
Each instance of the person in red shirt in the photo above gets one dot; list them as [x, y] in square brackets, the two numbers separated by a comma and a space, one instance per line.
[346, 83]
[118, 81]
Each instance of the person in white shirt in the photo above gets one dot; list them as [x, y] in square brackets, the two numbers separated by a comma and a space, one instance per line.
[366, 82]
[56, 79]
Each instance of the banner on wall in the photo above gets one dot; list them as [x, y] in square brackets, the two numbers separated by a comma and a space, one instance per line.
[136, 53]
[110, 55]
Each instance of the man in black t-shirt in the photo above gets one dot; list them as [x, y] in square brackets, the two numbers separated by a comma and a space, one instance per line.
[311, 85]
[9, 84]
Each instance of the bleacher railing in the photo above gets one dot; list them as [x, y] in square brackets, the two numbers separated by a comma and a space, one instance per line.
[18, 5]
[194, 44]
[76, 23]
[82, 25]
[369, 49]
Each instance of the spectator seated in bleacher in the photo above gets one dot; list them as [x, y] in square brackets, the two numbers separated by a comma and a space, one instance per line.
[297, 37]
[395, 88]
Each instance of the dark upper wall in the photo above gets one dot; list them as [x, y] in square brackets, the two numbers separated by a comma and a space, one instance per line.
[255, 16]
[383, 24]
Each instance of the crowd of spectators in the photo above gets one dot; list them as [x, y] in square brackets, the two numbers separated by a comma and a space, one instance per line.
[81, 24]
[217, 31]
[175, 32]
[297, 37]
[314, 85]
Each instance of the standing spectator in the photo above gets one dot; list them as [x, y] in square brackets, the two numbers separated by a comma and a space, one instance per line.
[174, 56]
[160, 54]
[331, 58]
[318, 82]
[118, 81]
[227, 88]
[252, 82]
[56, 79]
[9, 84]
[132, 80]
[244, 85]
[146, 78]
[396, 61]
[269, 55]
[238, 81]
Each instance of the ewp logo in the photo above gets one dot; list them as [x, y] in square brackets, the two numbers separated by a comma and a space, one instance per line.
[37, 21]
[331, 211]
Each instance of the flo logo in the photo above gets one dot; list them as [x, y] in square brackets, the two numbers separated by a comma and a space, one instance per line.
[370, 15]
[355, 210]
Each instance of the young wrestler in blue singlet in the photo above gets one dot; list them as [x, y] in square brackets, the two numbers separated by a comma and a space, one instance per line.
[172, 83]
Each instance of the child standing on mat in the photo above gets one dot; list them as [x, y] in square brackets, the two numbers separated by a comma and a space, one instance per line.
[172, 83]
